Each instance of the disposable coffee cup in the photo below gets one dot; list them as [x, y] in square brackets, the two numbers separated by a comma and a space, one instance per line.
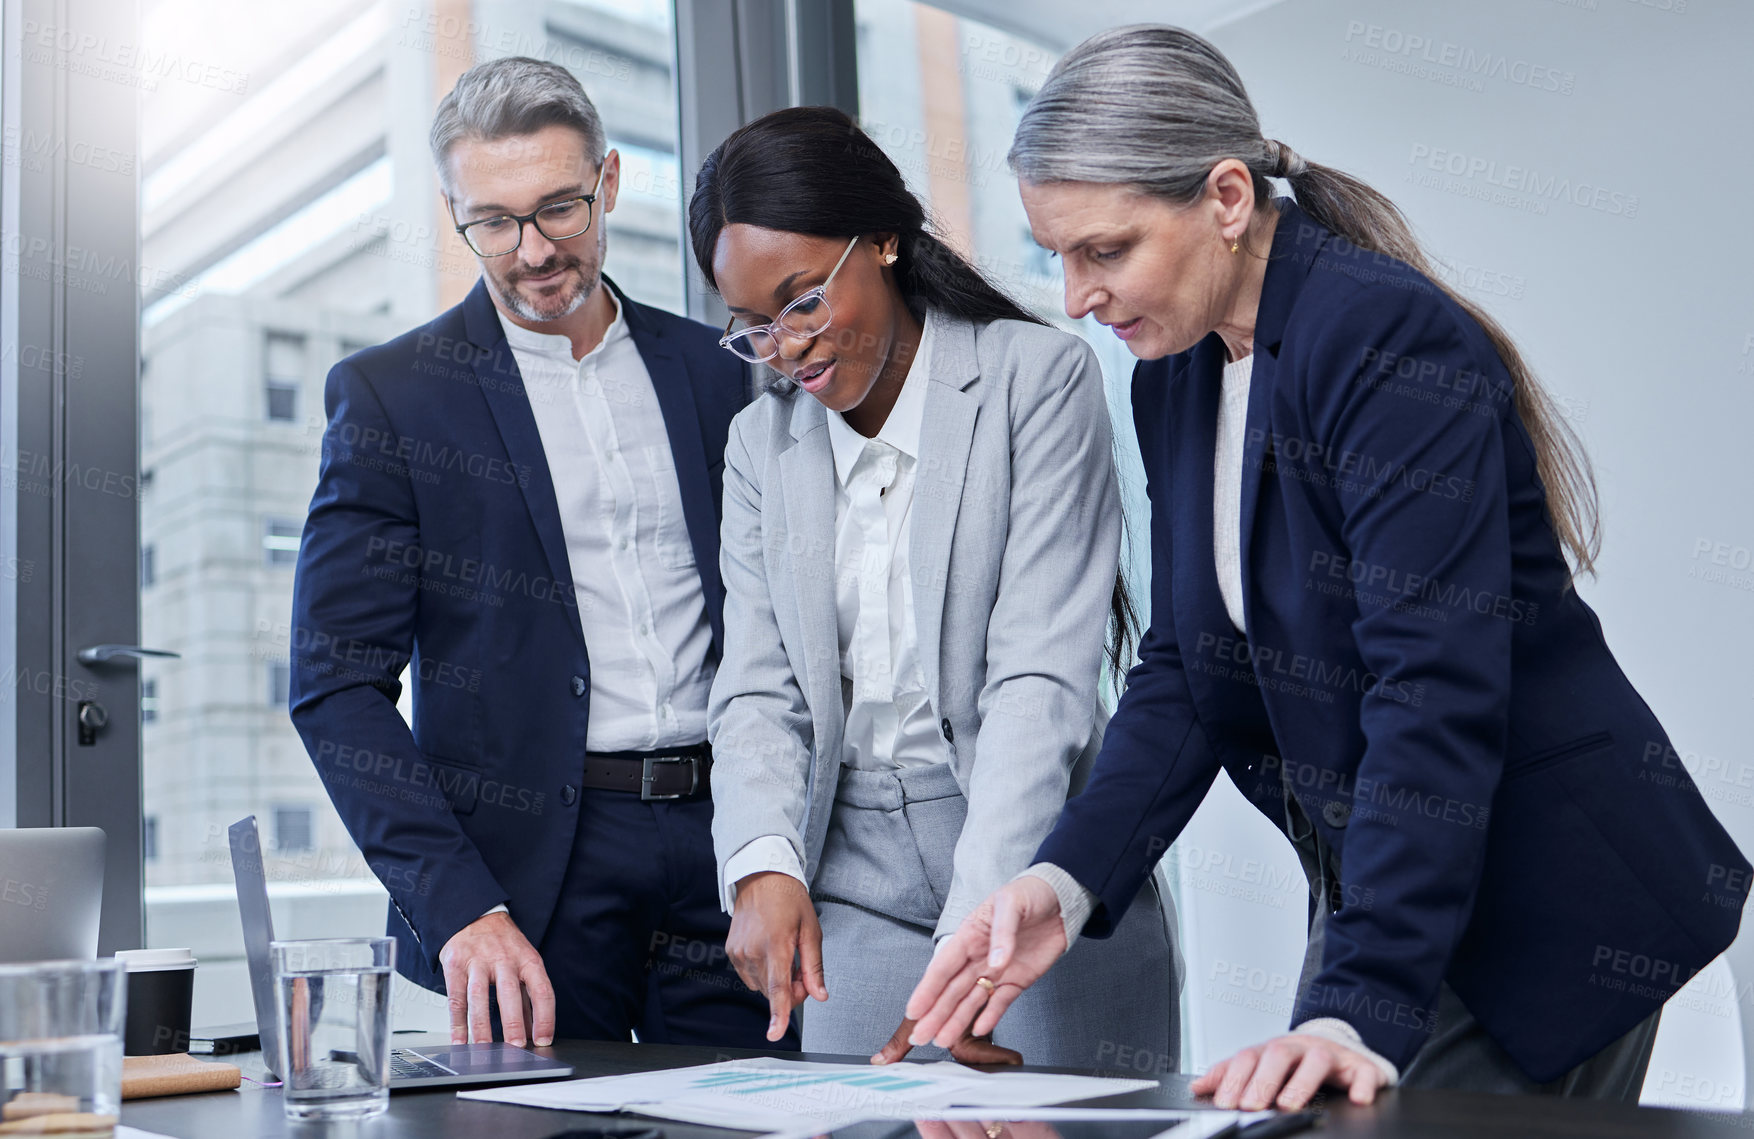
[161, 993]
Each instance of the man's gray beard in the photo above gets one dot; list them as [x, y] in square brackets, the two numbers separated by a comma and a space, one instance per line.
[526, 311]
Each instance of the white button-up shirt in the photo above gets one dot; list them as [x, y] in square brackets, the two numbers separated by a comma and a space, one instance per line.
[1233, 413]
[889, 723]
[639, 593]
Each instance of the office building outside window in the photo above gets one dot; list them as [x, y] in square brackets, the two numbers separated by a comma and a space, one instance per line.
[280, 541]
[292, 829]
[279, 683]
[283, 372]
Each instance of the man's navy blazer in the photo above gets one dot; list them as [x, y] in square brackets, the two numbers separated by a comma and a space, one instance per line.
[1508, 814]
[434, 542]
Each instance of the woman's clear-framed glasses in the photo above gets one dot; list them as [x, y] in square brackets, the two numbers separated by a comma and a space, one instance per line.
[806, 317]
[557, 221]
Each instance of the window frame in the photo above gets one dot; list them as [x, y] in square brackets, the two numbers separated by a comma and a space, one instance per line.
[71, 405]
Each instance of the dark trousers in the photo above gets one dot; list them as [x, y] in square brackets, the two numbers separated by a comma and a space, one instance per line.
[637, 942]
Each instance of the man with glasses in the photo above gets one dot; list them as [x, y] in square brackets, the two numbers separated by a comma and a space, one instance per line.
[519, 505]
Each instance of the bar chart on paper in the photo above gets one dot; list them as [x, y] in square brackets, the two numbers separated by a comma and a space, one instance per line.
[754, 1083]
[783, 1095]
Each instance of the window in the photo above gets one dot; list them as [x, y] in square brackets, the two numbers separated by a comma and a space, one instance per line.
[282, 402]
[293, 829]
[149, 838]
[148, 566]
[279, 683]
[280, 541]
[149, 700]
[942, 95]
[283, 372]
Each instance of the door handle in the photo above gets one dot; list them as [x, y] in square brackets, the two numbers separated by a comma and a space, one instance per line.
[107, 654]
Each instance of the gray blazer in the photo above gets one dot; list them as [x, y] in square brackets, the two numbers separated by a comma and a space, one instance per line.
[1015, 538]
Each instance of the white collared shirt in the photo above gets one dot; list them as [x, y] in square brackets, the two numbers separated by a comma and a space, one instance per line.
[639, 594]
[889, 722]
[1233, 413]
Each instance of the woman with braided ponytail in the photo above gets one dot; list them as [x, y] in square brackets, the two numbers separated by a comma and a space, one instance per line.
[1366, 518]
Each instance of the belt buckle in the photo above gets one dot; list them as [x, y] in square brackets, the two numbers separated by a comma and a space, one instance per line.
[646, 776]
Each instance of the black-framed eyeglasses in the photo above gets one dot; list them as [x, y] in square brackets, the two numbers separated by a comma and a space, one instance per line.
[807, 316]
[557, 221]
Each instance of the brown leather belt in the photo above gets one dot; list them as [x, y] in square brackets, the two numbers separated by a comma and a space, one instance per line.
[670, 773]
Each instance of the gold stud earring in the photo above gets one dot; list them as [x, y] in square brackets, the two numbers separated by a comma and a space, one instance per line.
[889, 258]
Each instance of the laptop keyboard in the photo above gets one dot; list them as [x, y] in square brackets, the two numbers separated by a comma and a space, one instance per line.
[406, 1065]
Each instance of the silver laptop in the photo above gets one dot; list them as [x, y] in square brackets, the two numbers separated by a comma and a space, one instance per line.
[51, 893]
[409, 1067]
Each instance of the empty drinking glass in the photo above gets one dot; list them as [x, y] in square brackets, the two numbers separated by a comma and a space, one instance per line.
[61, 1047]
[334, 1001]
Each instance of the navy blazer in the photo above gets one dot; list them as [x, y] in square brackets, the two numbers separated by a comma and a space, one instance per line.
[1508, 814]
[434, 542]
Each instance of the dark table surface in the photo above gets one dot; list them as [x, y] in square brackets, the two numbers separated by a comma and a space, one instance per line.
[255, 1111]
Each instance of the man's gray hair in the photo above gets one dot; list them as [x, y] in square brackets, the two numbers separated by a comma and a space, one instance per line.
[513, 96]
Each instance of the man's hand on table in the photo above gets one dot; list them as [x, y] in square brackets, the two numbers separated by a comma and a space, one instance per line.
[492, 952]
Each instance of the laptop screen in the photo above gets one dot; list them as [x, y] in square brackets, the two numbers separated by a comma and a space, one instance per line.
[252, 883]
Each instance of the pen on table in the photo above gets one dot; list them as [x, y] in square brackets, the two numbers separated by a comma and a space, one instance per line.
[1290, 1123]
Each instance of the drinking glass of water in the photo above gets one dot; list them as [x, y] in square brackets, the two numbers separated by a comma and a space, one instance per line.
[334, 1002]
[61, 1047]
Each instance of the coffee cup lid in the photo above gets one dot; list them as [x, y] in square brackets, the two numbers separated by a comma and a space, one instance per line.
[154, 960]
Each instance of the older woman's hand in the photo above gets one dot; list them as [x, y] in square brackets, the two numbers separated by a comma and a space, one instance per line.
[1286, 1072]
[1010, 940]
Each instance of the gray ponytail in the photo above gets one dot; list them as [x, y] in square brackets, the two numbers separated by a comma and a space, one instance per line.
[1157, 107]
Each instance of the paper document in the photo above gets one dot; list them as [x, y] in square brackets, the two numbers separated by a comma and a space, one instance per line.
[790, 1095]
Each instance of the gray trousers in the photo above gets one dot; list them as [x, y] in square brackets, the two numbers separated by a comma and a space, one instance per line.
[1113, 1004]
[1459, 1055]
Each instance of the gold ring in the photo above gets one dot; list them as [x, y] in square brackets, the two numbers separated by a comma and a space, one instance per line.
[986, 984]
[993, 1130]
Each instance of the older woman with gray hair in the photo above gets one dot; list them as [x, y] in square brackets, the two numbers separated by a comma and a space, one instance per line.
[1366, 518]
